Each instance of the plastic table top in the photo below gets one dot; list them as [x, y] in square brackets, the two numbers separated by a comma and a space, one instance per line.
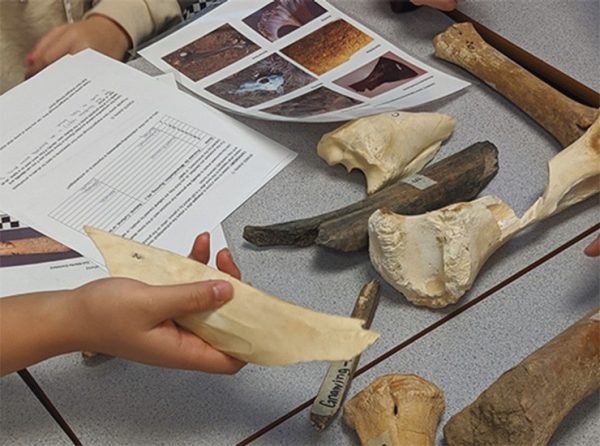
[534, 286]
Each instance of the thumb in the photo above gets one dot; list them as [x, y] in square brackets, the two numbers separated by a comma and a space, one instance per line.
[172, 301]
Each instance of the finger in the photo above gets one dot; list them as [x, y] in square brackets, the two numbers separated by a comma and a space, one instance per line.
[201, 248]
[51, 51]
[226, 264]
[184, 350]
[593, 249]
[169, 302]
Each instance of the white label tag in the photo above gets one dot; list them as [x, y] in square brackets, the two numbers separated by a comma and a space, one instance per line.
[421, 182]
[333, 389]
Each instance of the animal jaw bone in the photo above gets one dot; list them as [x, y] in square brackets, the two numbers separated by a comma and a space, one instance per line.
[253, 326]
[562, 117]
[396, 410]
[573, 176]
[387, 146]
[434, 258]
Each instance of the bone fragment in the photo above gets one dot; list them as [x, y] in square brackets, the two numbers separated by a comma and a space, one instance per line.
[387, 146]
[434, 258]
[526, 404]
[253, 326]
[562, 117]
[573, 176]
[396, 410]
[458, 177]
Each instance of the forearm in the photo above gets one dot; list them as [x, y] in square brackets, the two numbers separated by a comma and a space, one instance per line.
[34, 327]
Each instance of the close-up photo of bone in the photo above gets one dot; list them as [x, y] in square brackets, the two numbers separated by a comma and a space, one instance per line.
[527, 403]
[386, 146]
[396, 410]
[562, 117]
[253, 326]
[459, 177]
[434, 258]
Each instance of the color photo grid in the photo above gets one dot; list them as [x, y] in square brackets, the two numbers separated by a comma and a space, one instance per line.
[274, 77]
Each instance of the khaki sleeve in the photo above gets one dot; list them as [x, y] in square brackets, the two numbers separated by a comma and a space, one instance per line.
[141, 19]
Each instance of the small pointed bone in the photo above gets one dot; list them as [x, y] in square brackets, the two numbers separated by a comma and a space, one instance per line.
[526, 404]
[573, 176]
[562, 117]
[387, 146]
[253, 326]
[396, 410]
[456, 178]
[434, 258]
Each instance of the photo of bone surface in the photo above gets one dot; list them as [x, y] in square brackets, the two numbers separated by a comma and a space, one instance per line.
[316, 102]
[573, 176]
[562, 117]
[380, 76]
[328, 47]
[22, 245]
[210, 53]
[434, 258]
[396, 410]
[253, 326]
[270, 78]
[387, 146]
[527, 403]
[282, 17]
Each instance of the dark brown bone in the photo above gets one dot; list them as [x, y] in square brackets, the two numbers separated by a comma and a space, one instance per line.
[526, 404]
[562, 117]
[459, 177]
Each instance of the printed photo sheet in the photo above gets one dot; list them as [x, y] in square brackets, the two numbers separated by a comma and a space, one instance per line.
[295, 60]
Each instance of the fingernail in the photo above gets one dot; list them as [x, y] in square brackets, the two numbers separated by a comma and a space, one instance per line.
[29, 58]
[228, 253]
[222, 291]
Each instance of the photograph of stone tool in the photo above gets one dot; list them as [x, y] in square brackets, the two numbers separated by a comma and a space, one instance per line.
[338, 378]
[434, 258]
[459, 177]
[396, 410]
[387, 146]
[562, 117]
[527, 403]
[254, 326]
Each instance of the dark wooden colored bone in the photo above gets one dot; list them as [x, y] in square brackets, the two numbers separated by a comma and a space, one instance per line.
[526, 404]
[459, 177]
[562, 117]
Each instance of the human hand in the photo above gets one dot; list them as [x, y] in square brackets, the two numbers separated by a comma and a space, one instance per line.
[444, 5]
[132, 320]
[97, 32]
[593, 249]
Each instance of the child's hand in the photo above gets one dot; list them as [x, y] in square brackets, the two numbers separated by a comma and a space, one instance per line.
[134, 320]
[97, 32]
[593, 249]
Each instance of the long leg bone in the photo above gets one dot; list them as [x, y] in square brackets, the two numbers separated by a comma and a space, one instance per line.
[396, 410]
[562, 117]
[526, 404]
[459, 177]
[387, 146]
[434, 258]
[573, 176]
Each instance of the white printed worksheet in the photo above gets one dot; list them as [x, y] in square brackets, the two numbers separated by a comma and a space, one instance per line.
[107, 146]
[295, 60]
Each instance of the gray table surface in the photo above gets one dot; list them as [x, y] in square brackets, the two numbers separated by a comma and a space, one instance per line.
[119, 402]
